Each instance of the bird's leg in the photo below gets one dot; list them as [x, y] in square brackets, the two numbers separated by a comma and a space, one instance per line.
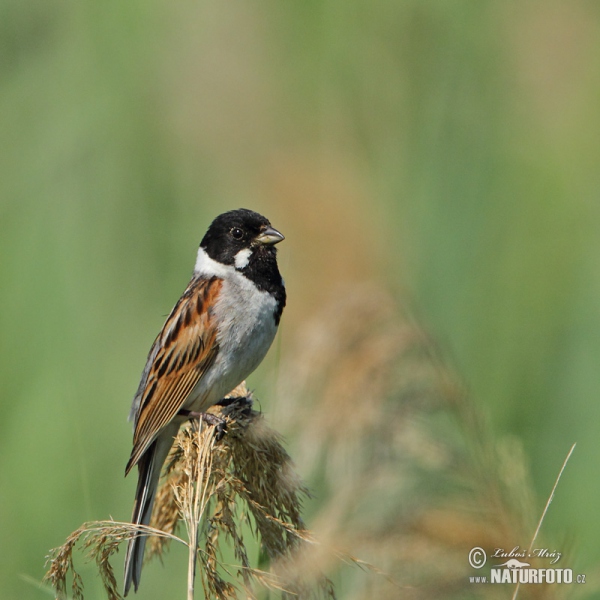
[218, 423]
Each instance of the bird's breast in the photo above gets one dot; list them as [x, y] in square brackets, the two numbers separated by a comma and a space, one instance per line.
[246, 323]
[246, 328]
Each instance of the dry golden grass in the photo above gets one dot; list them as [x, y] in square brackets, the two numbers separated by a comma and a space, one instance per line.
[409, 476]
[214, 486]
[98, 540]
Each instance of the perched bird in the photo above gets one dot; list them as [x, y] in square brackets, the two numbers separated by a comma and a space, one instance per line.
[217, 334]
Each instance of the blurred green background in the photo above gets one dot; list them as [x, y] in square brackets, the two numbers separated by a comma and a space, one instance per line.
[448, 150]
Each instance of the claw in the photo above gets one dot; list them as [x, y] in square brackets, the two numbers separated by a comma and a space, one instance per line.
[218, 423]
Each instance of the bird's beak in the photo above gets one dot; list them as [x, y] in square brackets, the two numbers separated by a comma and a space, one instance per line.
[270, 237]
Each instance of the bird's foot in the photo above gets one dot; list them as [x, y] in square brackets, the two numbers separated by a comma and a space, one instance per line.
[218, 423]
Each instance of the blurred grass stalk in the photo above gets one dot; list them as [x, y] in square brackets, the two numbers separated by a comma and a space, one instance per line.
[410, 477]
[544, 512]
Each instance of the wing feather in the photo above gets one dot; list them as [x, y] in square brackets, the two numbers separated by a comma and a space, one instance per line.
[181, 354]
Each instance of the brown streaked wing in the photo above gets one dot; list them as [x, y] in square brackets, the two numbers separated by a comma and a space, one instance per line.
[187, 347]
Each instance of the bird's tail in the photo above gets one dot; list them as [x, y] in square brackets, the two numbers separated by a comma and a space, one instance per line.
[149, 468]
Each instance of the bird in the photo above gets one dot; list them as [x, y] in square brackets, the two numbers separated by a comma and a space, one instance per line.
[216, 335]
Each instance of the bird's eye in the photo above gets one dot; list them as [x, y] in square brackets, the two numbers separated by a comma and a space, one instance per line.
[237, 233]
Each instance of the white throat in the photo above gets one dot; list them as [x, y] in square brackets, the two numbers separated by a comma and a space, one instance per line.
[205, 265]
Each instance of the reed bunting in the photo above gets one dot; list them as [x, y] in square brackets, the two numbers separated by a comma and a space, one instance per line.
[217, 334]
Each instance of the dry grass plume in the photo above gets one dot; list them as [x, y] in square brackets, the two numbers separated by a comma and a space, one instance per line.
[213, 486]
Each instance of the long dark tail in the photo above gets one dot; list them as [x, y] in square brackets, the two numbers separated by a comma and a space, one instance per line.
[149, 468]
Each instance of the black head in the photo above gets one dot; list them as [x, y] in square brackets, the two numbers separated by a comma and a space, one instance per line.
[234, 237]
[246, 241]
